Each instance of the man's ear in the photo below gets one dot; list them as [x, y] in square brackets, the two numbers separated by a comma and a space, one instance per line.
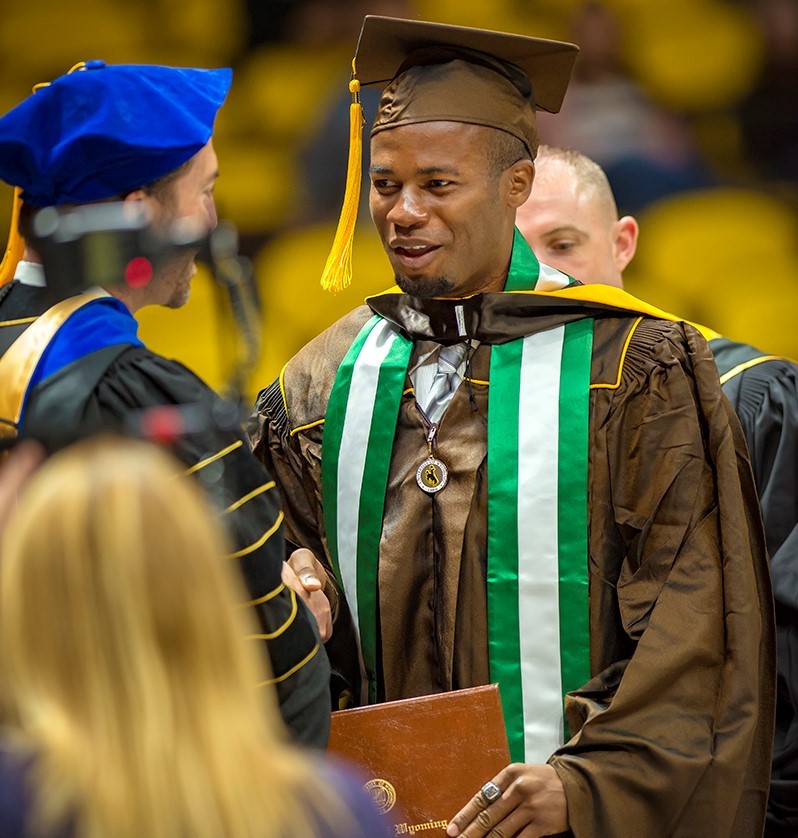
[519, 182]
[141, 201]
[137, 195]
[624, 243]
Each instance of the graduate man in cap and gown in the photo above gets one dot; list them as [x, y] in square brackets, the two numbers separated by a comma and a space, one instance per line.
[512, 477]
[140, 134]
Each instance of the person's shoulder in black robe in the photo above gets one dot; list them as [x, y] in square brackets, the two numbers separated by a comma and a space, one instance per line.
[764, 393]
[111, 390]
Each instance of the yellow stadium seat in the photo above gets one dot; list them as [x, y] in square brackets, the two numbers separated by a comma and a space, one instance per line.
[725, 257]
[198, 33]
[703, 55]
[278, 88]
[40, 41]
[257, 184]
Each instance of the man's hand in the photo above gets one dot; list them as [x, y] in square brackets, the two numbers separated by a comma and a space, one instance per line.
[304, 574]
[532, 804]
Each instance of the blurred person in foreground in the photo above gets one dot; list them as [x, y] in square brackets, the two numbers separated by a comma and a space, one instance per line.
[571, 221]
[128, 698]
[514, 480]
[141, 134]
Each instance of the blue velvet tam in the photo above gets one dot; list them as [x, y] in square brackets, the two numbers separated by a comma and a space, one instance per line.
[106, 129]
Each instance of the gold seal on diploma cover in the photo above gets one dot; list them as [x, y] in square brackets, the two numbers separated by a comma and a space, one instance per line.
[432, 475]
[382, 793]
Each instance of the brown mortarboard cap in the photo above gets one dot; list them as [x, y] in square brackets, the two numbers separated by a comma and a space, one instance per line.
[436, 72]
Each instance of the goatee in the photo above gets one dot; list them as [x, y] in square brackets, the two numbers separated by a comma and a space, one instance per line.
[424, 287]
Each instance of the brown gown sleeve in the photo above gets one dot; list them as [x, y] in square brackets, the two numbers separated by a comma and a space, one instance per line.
[675, 727]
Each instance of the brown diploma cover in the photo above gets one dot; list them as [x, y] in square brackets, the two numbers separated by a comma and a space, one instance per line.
[425, 757]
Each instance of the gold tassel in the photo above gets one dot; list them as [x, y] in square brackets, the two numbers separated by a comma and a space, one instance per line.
[16, 244]
[337, 273]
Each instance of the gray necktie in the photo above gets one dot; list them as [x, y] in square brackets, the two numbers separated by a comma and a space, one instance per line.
[446, 380]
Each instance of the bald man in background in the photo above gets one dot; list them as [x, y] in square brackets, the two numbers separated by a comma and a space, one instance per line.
[571, 222]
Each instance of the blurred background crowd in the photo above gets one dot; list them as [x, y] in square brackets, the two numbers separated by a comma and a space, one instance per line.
[691, 107]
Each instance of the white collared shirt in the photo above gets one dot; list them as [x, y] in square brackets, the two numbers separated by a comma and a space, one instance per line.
[30, 273]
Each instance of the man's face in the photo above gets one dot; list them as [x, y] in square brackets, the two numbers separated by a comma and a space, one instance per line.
[445, 220]
[188, 198]
[570, 227]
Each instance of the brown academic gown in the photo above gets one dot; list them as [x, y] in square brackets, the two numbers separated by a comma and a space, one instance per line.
[673, 731]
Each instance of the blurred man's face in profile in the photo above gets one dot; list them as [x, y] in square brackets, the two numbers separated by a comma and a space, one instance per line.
[189, 199]
[572, 227]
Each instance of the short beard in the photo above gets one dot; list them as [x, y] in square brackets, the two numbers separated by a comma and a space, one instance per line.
[174, 279]
[426, 288]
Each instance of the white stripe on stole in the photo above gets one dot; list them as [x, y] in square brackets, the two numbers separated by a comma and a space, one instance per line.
[352, 456]
[550, 279]
[538, 567]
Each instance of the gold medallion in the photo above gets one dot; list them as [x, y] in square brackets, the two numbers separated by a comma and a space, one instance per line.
[432, 475]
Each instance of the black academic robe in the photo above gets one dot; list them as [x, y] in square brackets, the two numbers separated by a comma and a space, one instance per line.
[110, 389]
[764, 393]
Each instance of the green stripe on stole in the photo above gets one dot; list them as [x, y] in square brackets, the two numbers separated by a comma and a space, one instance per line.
[537, 531]
[537, 482]
[359, 429]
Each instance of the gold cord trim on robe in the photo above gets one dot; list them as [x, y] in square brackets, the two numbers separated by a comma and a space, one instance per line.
[260, 542]
[217, 456]
[305, 427]
[734, 371]
[626, 343]
[292, 670]
[281, 379]
[253, 494]
[266, 597]
[284, 627]
[19, 322]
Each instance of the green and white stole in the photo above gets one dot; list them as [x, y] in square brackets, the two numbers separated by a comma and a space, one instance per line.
[538, 638]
